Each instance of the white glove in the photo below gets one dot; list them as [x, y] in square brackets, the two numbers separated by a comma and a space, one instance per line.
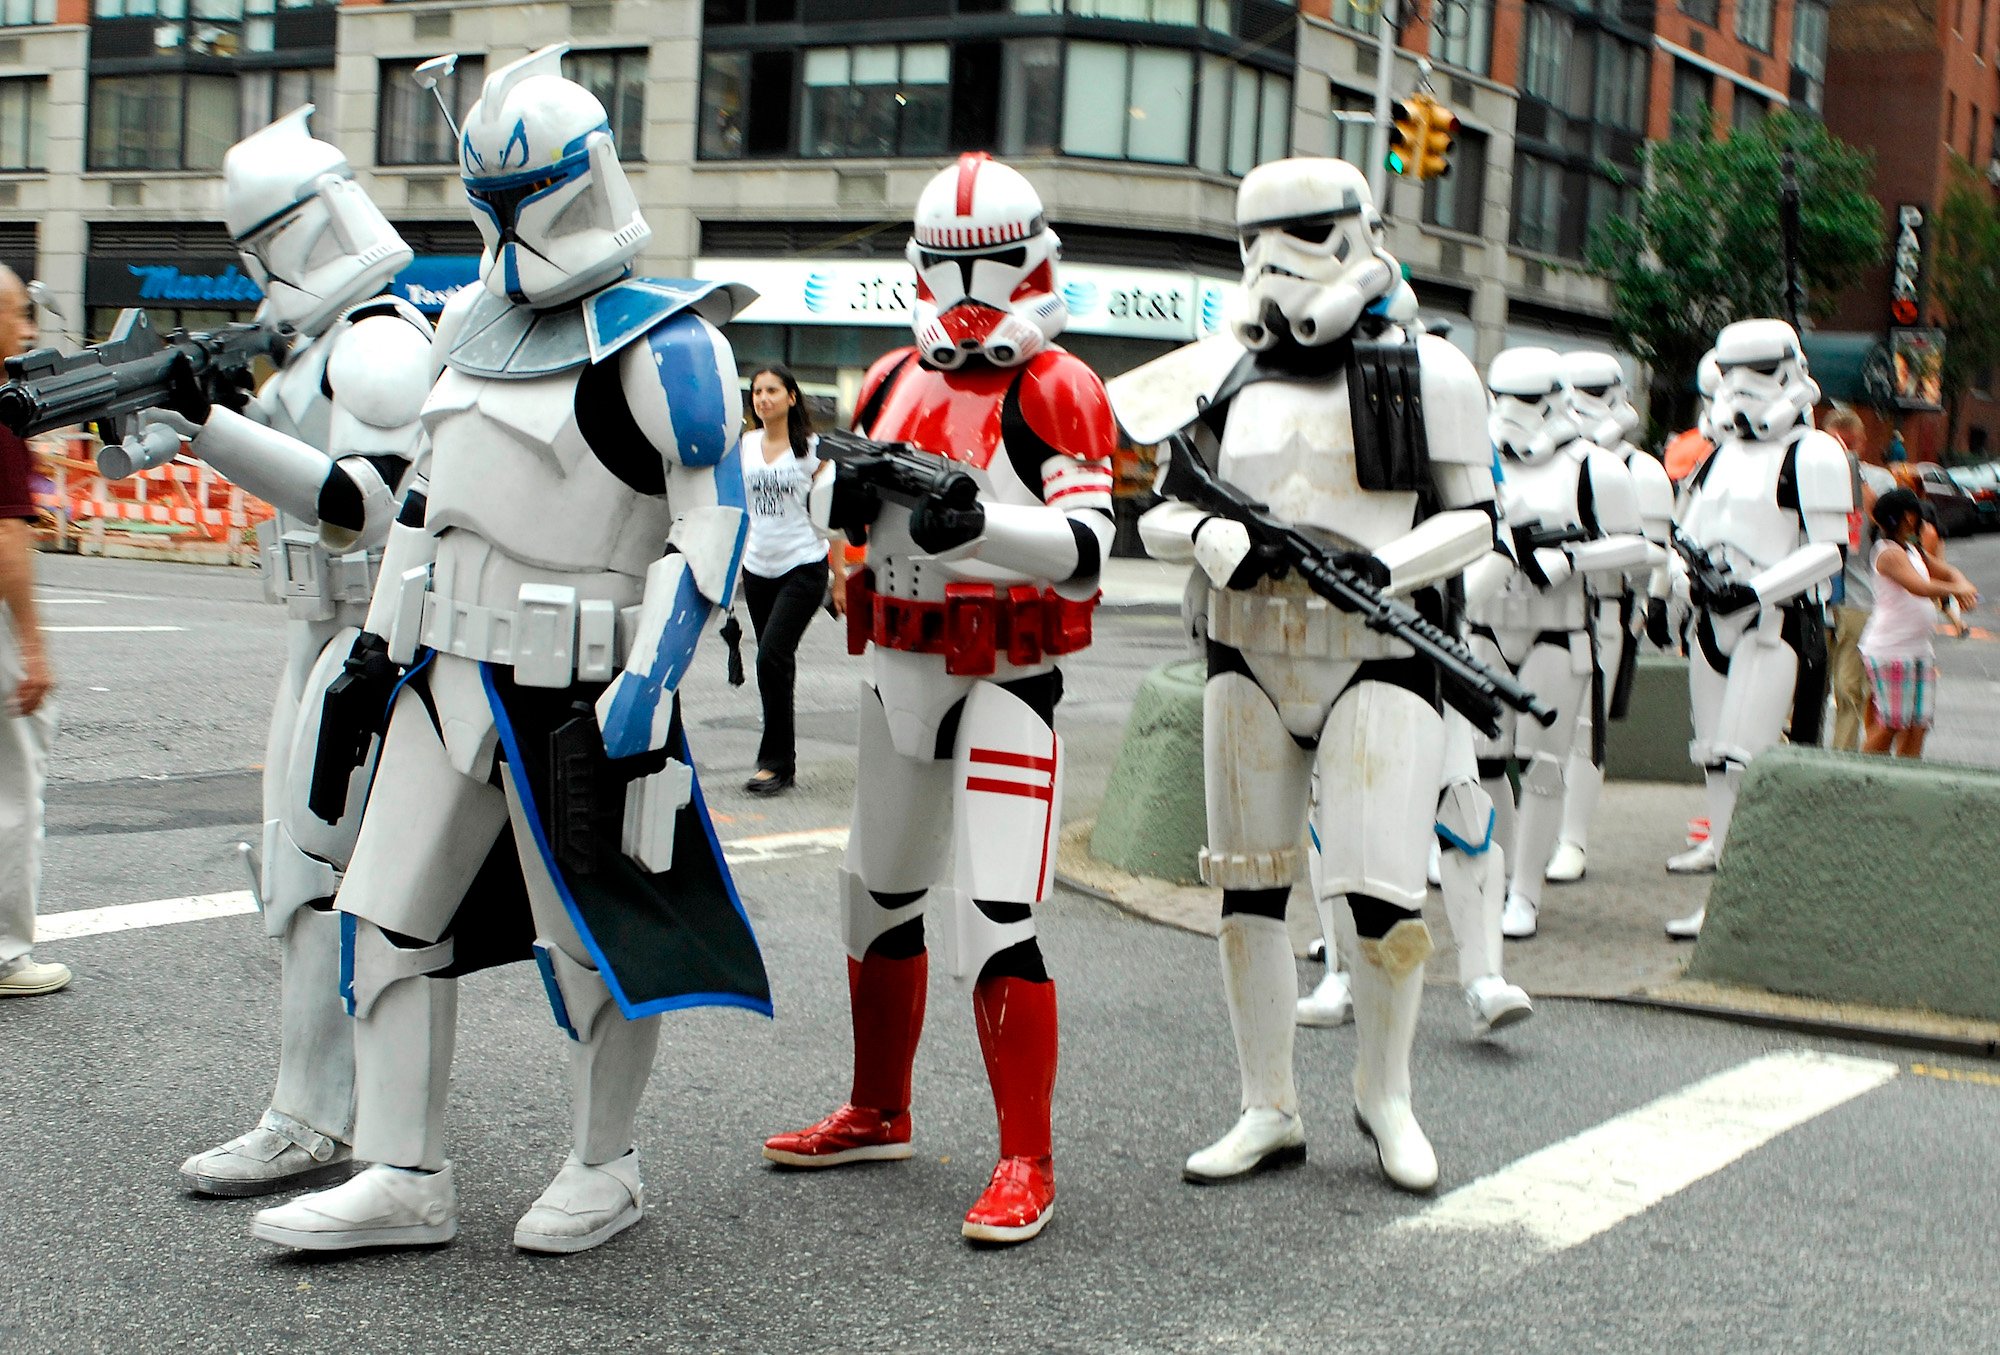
[1555, 564]
[1220, 547]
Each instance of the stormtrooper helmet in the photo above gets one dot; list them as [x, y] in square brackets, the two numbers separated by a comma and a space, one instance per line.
[1763, 390]
[309, 236]
[558, 218]
[1599, 403]
[1313, 257]
[985, 260]
[1707, 380]
[1531, 417]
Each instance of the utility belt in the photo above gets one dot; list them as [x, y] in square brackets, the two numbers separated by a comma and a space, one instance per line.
[310, 580]
[550, 639]
[975, 625]
[1284, 616]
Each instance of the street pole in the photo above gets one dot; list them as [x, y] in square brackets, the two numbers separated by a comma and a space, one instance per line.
[1385, 71]
[1788, 221]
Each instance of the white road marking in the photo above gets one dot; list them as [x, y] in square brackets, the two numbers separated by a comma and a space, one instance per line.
[1571, 1191]
[112, 630]
[127, 917]
[75, 602]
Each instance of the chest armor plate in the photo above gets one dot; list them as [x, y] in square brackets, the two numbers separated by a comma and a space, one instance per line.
[294, 400]
[1290, 445]
[508, 464]
[1539, 494]
[1735, 512]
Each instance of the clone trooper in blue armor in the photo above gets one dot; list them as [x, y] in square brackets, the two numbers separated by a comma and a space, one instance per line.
[330, 440]
[1574, 517]
[583, 519]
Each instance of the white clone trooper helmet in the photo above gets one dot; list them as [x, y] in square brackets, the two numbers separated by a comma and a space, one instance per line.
[1763, 390]
[308, 235]
[1531, 417]
[1599, 402]
[551, 201]
[1313, 254]
[985, 260]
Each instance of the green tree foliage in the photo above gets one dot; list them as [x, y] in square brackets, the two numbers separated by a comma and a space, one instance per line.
[1705, 248]
[1963, 263]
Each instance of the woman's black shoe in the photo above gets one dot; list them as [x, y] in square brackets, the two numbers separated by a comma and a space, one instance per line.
[768, 783]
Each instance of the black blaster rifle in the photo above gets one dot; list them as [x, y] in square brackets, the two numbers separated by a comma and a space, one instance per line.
[354, 712]
[1707, 580]
[1529, 538]
[1469, 686]
[136, 368]
[943, 498]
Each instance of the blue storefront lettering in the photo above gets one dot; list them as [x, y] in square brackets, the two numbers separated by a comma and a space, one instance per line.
[164, 282]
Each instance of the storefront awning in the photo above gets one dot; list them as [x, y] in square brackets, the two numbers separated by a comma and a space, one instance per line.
[1839, 362]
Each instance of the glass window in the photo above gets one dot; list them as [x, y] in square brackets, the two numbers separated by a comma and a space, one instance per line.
[1243, 121]
[1537, 203]
[1274, 137]
[214, 114]
[1545, 53]
[1161, 112]
[1184, 13]
[1351, 139]
[1462, 34]
[1702, 11]
[1457, 201]
[1212, 119]
[877, 100]
[1753, 23]
[266, 95]
[1094, 100]
[618, 79]
[725, 80]
[1362, 16]
[1746, 110]
[1031, 97]
[1621, 84]
[135, 122]
[1694, 90]
[1809, 53]
[23, 123]
[14, 12]
[409, 130]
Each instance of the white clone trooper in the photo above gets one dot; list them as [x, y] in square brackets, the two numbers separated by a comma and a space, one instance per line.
[1571, 511]
[1770, 508]
[1602, 409]
[330, 440]
[959, 783]
[1370, 439]
[583, 519]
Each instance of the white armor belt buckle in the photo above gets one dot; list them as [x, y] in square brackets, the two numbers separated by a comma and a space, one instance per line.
[354, 576]
[552, 640]
[652, 804]
[302, 570]
[544, 639]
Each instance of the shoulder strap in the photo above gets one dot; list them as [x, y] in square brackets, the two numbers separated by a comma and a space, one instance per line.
[1586, 498]
[871, 408]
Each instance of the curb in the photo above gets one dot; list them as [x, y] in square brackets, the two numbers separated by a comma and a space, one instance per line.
[1967, 1046]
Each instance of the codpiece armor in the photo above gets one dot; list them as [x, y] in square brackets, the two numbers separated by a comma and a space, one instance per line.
[329, 440]
[963, 616]
[1573, 515]
[1769, 511]
[1368, 438]
[534, 795]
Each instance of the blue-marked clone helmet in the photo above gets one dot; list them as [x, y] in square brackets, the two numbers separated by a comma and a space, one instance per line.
[309, 236]
[547, 192]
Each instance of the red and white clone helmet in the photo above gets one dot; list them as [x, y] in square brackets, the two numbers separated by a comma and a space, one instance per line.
[985, 260]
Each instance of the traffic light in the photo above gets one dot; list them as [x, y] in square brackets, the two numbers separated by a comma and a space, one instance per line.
[1406, 134]
[1434, 152]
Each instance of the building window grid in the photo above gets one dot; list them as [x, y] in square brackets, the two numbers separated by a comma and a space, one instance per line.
[1693, 96]
[618, 80]
[22, 13]
[24, 124]
[266, 95]
[1754, 21]
[1457, 201]
[162, 121]
[1352, 140]
[409, 129]
[1462, 34]
[876, 99]
[1703, 11]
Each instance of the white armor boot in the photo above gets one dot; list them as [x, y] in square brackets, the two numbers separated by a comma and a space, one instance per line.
[1330, 1003]
[1770, 510]
[1258, 981]
[1388, 986]
[1472, 879]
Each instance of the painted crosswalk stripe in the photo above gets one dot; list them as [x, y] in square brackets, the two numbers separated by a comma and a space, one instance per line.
[126, 917]
[112, 630]
[1571, 1191]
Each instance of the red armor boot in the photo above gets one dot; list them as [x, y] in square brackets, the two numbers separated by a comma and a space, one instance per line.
[1017, 1033]
[886, 998]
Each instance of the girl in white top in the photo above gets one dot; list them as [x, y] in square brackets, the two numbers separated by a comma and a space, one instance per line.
[787, 566]
[1909, 584]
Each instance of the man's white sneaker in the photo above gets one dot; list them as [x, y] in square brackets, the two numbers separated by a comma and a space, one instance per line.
[1330, 1004]
[1566, 866]
[1496, 1004]
[29, 978]
[1699, 859]
[381, 1207]
[1687, 928]
[1517, 918]
[584, 1206]
[281, 1153]
[1262, 1139]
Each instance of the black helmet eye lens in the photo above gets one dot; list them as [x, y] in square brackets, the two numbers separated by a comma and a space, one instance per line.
[1312, 232]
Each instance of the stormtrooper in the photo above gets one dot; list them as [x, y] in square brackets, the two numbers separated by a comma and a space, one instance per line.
[1369, 439]
[1635, 608]
[960, 777]
[330, 440]
[1573, 514]
[540, 603]
[1769, 511]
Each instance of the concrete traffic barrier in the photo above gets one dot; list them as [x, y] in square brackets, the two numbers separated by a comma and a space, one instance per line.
[1860, 879]
[1154, 819]
[1651, 742]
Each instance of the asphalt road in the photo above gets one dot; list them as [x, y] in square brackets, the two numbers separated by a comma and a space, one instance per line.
[1870, 1227]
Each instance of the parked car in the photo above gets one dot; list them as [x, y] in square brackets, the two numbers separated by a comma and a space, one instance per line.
[1955, 511]
[1982, 483]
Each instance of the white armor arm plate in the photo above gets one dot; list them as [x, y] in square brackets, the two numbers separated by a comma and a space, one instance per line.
[1440, 547]
[1621, 544]
[1167, 530]
[396, 611]
[1065, 538]
[276, 467]
[1165, 395]
[1656, 516]
[1455, 408]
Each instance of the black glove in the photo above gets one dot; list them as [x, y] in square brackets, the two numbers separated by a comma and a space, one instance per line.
[854, 508]
[1731, 597]
[936, 526]
[1658, 629]
[185, 395]
[1364, 566]
[732, 638]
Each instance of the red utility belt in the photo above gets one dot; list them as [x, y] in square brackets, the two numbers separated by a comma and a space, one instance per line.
[974, 625]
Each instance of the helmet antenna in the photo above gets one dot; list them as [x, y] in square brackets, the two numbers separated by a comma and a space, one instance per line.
[429, 75]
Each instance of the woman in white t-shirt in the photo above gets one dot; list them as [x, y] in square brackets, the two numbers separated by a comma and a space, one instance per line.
[1910, 583]
[785, 562]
